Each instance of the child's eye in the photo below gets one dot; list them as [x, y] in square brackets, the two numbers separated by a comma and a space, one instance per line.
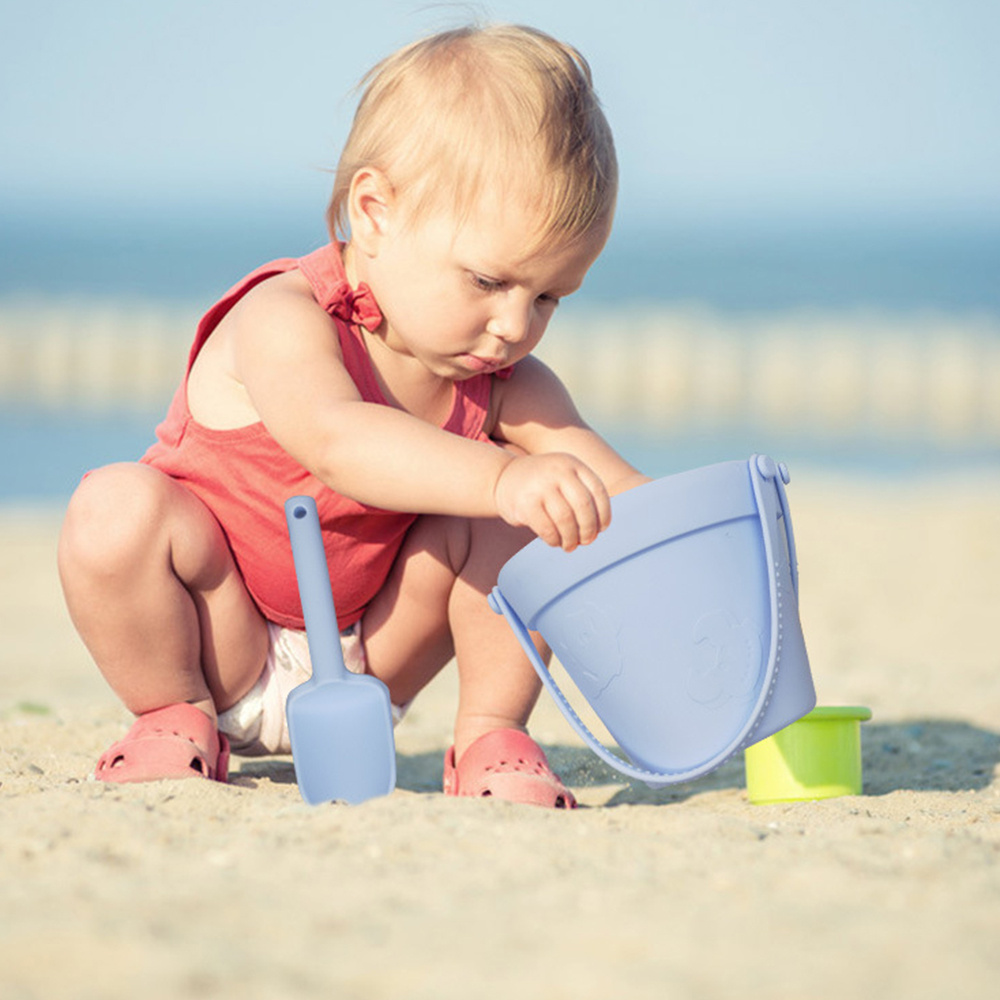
[486, 284]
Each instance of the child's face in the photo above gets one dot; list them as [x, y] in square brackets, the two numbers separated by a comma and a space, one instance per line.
[464, 299]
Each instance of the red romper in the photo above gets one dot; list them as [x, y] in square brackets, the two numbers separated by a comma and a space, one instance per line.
[244, 477]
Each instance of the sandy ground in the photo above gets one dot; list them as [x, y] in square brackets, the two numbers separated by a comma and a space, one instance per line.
[195, 889]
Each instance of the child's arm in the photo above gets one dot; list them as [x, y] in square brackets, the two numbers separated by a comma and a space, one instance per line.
[286, 359]
[534, 411]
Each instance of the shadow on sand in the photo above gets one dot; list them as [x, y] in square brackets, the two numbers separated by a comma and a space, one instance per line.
[942, 755]
[921, 755]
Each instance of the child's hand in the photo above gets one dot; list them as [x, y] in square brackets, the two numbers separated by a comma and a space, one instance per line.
[558, 497]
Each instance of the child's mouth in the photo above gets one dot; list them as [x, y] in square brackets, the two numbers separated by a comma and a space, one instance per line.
[480, 365]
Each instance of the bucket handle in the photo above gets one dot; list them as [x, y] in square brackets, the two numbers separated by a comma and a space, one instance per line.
[759, 467]
[779, 473]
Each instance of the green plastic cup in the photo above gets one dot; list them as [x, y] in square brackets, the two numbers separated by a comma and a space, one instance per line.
[818, 757]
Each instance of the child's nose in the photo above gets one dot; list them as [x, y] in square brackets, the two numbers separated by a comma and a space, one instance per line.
[512, 322]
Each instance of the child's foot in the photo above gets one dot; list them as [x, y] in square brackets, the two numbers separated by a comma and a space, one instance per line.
[179, 741]
[507, 764]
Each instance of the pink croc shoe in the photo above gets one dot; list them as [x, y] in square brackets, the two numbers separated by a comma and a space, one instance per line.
[179, 741]
[510, 765]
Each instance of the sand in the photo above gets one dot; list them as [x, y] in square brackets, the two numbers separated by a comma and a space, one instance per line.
[196, 889]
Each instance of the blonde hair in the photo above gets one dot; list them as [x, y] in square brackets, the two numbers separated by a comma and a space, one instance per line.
[448, 116]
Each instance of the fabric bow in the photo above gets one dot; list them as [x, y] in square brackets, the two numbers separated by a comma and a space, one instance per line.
[355, 305]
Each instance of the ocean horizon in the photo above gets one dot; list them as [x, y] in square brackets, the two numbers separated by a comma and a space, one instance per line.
[179, 262]
[191, 255]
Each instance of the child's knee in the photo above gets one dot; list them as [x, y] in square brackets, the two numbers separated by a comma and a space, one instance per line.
[109, 518]
[489, 543]
[446, 539]
[466, 540]
[495, 539]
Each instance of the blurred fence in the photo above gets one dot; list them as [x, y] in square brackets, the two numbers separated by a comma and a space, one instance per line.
[833, 375]
[839, 374]
[92, 356]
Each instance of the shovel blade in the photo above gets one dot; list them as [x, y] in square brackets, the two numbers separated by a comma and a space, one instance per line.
[343, 745]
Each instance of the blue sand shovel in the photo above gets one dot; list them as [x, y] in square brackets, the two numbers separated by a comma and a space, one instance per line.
[340, 723]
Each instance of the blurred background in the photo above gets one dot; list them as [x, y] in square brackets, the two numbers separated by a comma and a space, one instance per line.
[805, 261]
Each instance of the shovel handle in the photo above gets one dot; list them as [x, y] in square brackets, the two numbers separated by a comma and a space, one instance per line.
[313, 576]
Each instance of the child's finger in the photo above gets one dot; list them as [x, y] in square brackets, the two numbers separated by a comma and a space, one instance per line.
[585, 512]
[601, 497]
[563, 517]
[597, 502]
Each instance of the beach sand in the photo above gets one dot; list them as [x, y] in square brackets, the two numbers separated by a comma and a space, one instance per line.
[196, 889]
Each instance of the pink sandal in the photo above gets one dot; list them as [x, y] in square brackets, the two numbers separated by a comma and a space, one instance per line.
[507, 764]
[179, 741]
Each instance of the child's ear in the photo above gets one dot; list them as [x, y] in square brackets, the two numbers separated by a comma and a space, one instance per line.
[370, 204]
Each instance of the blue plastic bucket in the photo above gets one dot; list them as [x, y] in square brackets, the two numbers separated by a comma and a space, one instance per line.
[679, 624]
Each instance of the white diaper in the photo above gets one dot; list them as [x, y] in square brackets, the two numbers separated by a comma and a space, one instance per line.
[256, 725]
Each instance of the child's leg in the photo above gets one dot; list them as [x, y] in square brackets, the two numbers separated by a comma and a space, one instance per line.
[434, 606]
[155, 595]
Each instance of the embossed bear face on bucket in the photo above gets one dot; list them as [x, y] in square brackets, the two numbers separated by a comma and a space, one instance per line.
[729, 659]
[589, 643]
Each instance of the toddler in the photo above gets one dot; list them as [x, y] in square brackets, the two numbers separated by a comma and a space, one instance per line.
[389, 375]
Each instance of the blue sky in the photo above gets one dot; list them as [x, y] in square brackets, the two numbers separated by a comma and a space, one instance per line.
[719, 107]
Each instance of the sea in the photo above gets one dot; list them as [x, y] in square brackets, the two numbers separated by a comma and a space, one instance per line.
[737, 271]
